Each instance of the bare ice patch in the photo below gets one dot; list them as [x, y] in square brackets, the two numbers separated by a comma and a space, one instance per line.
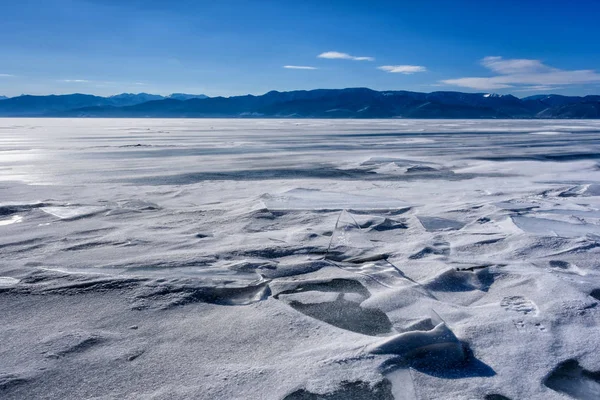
[338, 303]
[550, 227]
[432, 224]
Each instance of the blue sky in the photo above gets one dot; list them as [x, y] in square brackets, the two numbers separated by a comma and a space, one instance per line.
[230, 47]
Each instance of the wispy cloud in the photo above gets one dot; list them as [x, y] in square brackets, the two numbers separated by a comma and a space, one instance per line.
[333, 55]
[299, 67]
[515, 66]
[75, 81]
[523, 73]
[539, 88]
[6, 76]
[477, 83]
[402, 69]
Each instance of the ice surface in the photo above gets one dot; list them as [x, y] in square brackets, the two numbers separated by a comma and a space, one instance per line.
[432, 224]
[548, 227]
[306, 199]
[12, 220]
[7, 281]
[550, 133]
[582, 190]
[73, 212]
[570, 378]
[282, 259]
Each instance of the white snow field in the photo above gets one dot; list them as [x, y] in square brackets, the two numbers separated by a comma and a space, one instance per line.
[299, 259]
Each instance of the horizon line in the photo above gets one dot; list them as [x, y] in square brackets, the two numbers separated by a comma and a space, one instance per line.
[166, 96]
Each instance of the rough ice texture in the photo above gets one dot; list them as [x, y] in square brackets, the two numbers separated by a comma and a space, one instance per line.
[308, 259]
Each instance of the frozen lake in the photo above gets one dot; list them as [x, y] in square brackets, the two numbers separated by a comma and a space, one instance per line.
[410, 259]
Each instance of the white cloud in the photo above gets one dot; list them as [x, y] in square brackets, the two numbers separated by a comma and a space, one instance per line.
[539, 88]
[402, 69]
[514, 66]
[75, 81]
[477, 83]
[333, 55]
[298, 67]
[6, 76]
[524, 73]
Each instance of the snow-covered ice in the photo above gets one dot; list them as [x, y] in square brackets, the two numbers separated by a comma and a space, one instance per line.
[299, 259]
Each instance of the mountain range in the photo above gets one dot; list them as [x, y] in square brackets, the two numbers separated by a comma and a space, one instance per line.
[319, 103]
[56, 105]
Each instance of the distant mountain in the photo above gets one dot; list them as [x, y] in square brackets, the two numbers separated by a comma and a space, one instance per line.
[3, 97]
[130, 99]
[53, 105]
[27, 105]
[584, 110]
[319, 103]
[185, 96]
[554, 100]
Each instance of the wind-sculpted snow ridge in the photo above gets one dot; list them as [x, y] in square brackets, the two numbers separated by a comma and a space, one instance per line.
[299, 259]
